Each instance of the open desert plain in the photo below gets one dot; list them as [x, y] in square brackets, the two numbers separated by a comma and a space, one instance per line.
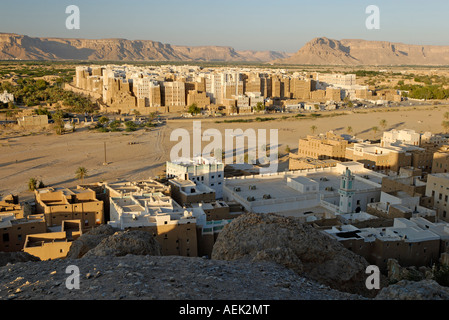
[142, 154]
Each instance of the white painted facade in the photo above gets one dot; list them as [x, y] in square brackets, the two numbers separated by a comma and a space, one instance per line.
[286, 192]
[207, 171]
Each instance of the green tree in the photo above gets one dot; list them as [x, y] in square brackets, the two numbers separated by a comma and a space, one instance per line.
[32, 184]
[375, 130]
[130, 126]
[383, 123]
[81, 173]
[115, 125]
[103, 120]
[58, 118]
[259, 107]
[194, 109]
[349, 130]
[313, 129]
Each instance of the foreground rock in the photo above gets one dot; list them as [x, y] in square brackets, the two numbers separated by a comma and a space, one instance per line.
[414, 290]
[89, 240]
[160, 278]
[397, 273]
[14, 257]
[299, 247]
[127, 242]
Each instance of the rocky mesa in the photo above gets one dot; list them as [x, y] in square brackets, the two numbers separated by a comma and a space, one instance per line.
[22, 47]
[325, 51]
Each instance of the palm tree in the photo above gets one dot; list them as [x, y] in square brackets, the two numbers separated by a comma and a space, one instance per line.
[81, 173]
[58, 118]
[313, 128]
[383, 123]
[32, 184]
[349, 130]
[446, 115]
[375, 129]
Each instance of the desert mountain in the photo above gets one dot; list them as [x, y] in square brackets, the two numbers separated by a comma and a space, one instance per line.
[324, 51]
[22, 47]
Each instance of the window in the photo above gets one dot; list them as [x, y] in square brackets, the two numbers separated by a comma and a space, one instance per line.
[6, 237]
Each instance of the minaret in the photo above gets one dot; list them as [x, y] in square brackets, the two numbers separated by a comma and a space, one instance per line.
[346, 192]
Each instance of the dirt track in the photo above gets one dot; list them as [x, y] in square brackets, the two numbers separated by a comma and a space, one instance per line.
[54, 159]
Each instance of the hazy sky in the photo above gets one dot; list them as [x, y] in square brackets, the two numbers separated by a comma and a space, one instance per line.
[280, 25]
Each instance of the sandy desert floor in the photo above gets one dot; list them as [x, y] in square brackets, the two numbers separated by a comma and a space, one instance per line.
[54, 159]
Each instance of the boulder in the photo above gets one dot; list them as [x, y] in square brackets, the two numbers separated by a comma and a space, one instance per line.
[88, 241]
[127, 242]
[414, 290]
[397, 273]
[297, 246]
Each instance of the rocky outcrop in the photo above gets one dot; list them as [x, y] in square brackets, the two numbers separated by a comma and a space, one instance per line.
[414, 290]
[397, 273]
[285, 240]
[127, 242]
[324, 51]
[14, 46]
[88, 241]
[14, 257]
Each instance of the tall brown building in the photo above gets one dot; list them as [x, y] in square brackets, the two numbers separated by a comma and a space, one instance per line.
[119, 95]
[199, 98]
[173, 94]
[328, 146]
[301, 89]
[59, 204]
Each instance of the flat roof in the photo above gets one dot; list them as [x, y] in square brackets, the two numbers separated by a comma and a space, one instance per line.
[276, 185]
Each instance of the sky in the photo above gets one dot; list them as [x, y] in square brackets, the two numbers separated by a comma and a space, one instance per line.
[278, 25]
